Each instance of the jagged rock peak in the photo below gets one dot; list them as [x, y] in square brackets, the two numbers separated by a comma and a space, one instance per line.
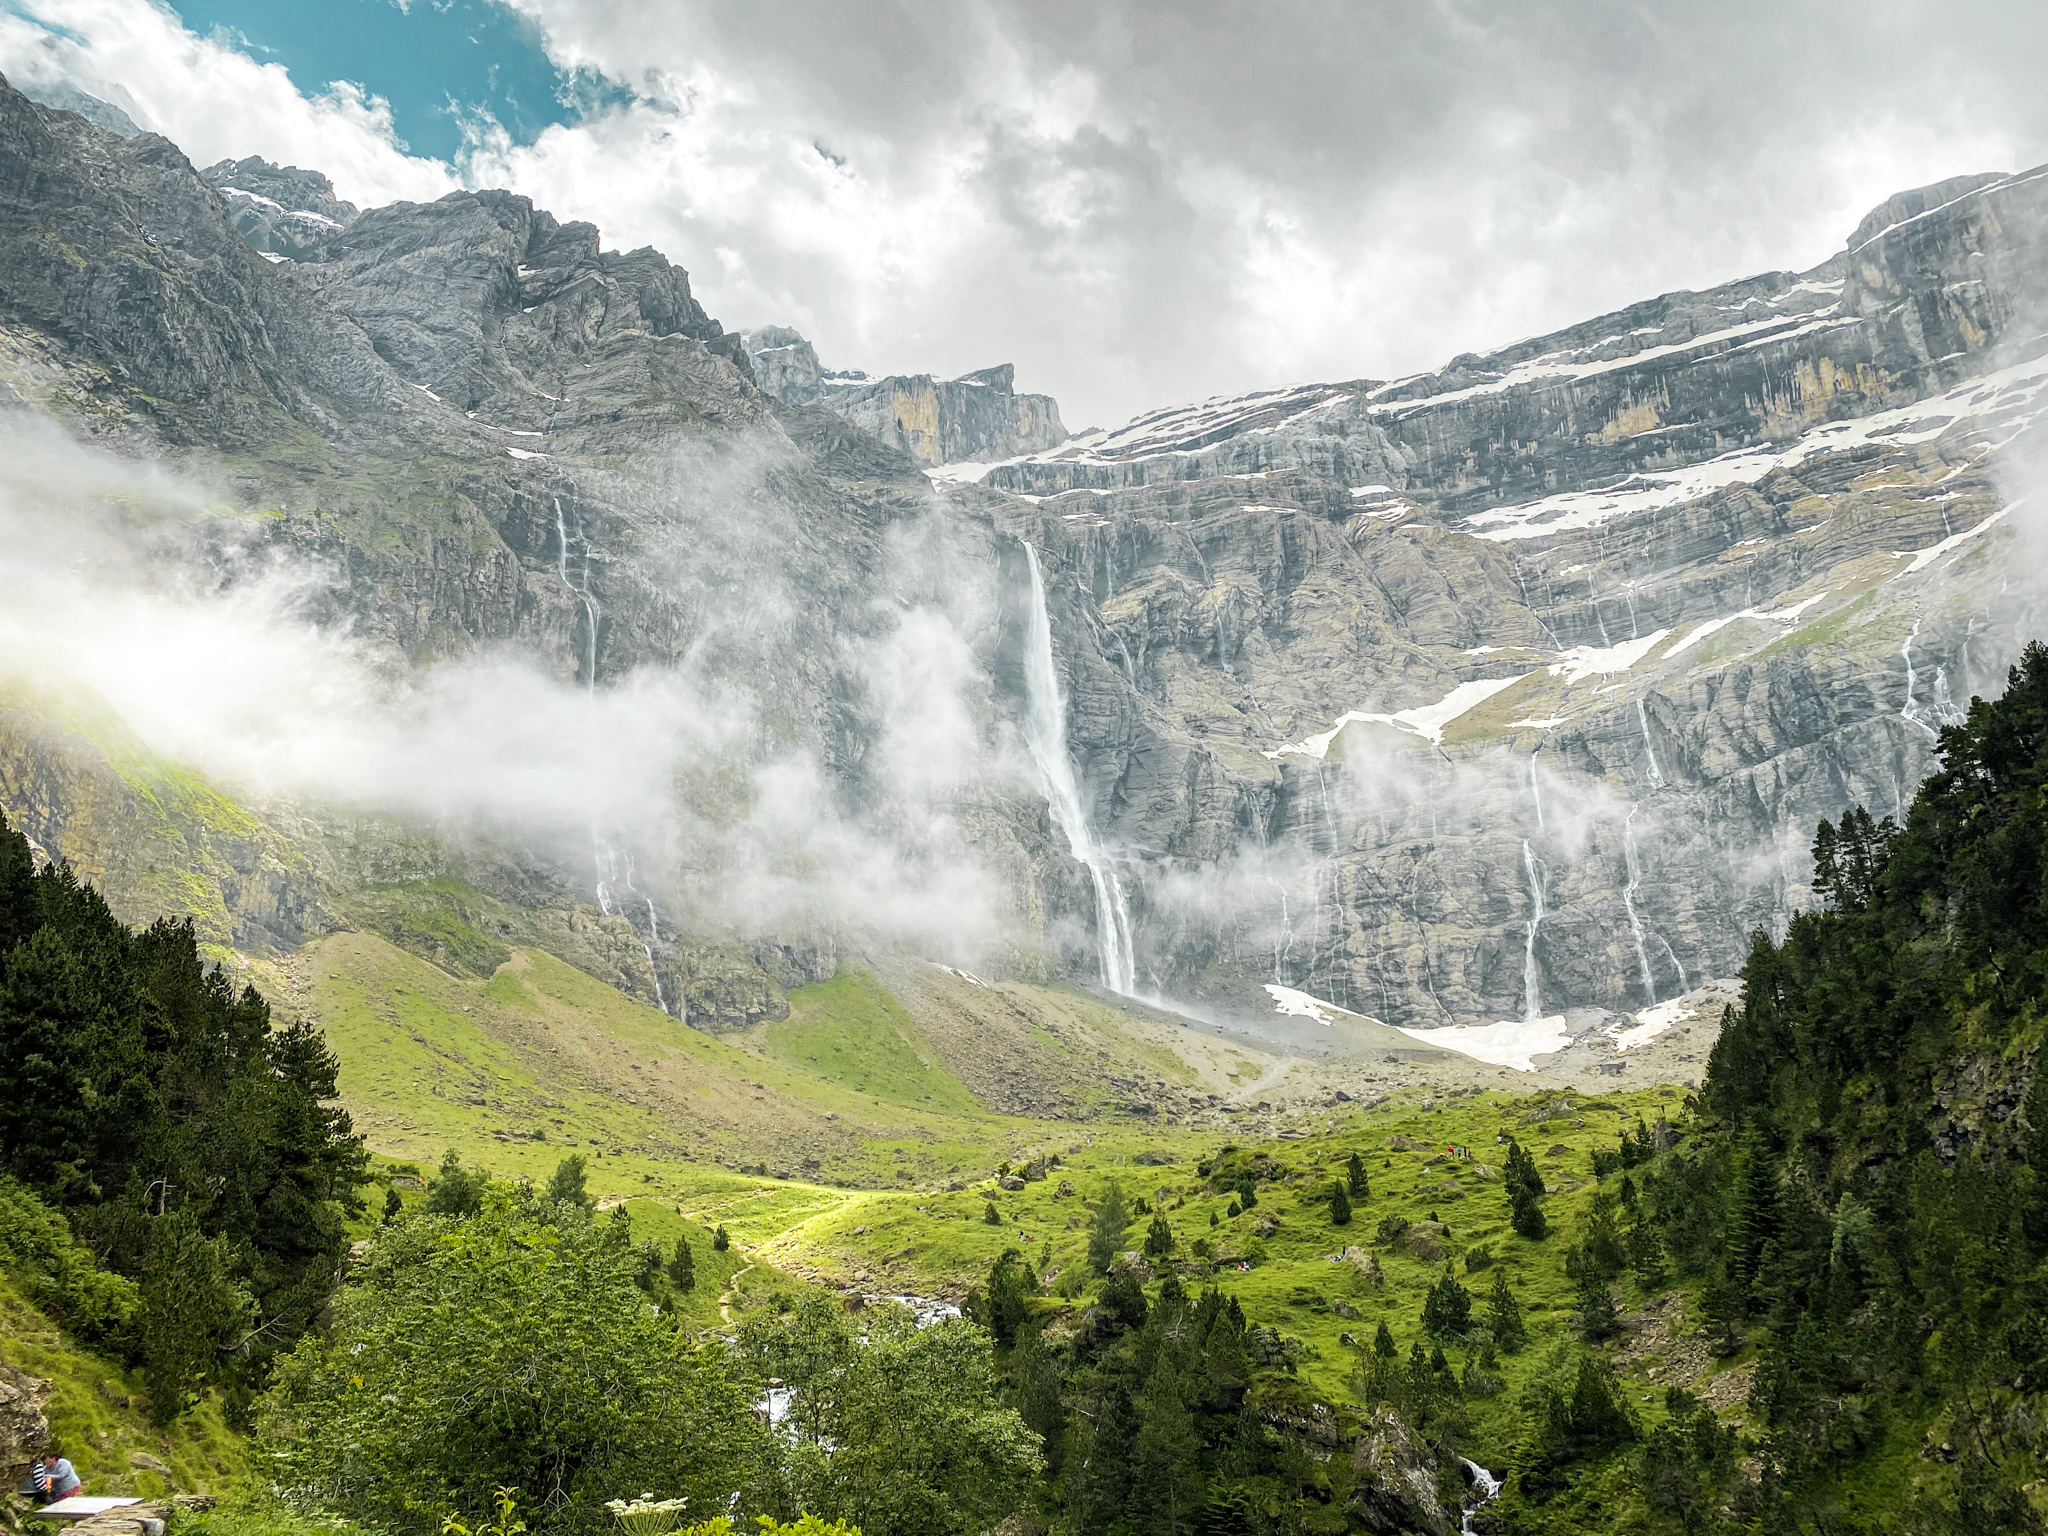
[1901, 206]
[281, 210]
[66, 97]
[976, 417]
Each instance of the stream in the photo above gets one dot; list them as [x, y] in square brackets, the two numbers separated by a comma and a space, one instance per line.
[1484, 1489]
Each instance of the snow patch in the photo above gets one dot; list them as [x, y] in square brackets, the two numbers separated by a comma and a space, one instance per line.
[1584, 661]
[1650, 1023]
[1510, 1044]
[1426, 721]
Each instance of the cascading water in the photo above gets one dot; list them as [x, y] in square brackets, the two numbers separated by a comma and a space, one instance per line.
[1535, 792]
[1485, 1485]
[1628, 900]
[1532, 1004]
[1649, 751]
[602, 853]
[1909, 711]
[1045, 735]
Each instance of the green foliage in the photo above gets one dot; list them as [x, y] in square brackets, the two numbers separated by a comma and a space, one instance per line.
[1106, 1231]
[1340, 1206]
[457, 1191]
[898, 1430]
[1504, 1315]
[990, 1216]
[61, 1275]
[1525, 1191]
[1447, 1313]
[1159, 1238]
[162, 1114]
[512, 1350]
[1355, 1182]
[719, 1241]
[1567, 1426]
[566, 1184]
[1002, 1304]
[682, 1266]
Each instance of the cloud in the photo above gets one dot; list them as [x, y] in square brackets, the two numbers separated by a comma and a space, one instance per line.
[1141, 204]
[216, 664]
[212, 99]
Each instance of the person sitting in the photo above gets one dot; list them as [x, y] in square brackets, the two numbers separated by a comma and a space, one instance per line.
[55, 1478]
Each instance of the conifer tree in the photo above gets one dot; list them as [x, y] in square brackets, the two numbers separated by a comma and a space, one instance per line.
[566, 1184]
[1159, 1238]
[1104, 1478]
[1106, 1231]
[1447, 1310]
[1166, 1472]
[682, 1265]
[1383, 1343]
[991, 1216]
[1355, 1184]
[1340, 1206]
[719, 1241]
[1504, 1316]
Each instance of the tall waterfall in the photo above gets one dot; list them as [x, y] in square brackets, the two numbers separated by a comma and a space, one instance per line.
[602, 853]
[1532, 1004]
[1045, 734]
[1628, 900]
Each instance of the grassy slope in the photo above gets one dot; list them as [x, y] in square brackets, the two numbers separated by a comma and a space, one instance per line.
[940, 1242]
[98, 1415]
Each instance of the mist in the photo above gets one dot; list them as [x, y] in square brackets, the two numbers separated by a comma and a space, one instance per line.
[139, 594]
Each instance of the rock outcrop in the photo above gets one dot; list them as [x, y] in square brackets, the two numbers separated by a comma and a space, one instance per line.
[977, 417]
[24, 1431]
[279, 209]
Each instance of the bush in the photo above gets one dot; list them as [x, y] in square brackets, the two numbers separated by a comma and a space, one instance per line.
[60, 1274]
[507, 1351]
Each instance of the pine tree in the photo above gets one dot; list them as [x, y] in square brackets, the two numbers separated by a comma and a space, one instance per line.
[719, 1241]
[394, 1207]
[1355, 1184]
[1104, 1478]
[682, 1266]
[990, 1216]
[1383, 1343]
[1106, 1232]
[1159, 1238]
[458, 1191]
[1753, 1209]
[1596, 1305]
[1166, 1472]
[1340, 1206]
[1504, 1316]
[566, 1184]
[1447, 1310]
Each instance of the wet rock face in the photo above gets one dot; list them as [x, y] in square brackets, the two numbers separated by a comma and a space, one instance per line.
[1397, 1479]
[1659, 551]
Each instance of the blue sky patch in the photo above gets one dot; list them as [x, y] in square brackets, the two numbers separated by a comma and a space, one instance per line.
[435, 61]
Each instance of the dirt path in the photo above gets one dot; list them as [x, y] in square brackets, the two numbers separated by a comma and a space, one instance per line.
[731, 1284]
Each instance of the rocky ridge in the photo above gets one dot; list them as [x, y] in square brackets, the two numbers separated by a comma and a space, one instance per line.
[936, 421]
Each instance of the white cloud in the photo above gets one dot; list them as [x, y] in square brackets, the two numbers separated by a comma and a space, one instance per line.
[1142, 205]
[214, 101]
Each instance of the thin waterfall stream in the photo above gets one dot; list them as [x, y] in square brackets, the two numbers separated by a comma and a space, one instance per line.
[1628, 901]
[1045, 735]
[1532, 1003]
[603, 855]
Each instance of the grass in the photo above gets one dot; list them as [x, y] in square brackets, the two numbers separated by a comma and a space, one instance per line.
[99, 1416]
[851, 1032]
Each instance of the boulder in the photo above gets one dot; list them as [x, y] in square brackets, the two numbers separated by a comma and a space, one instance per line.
[1424, 1241]
[1397, 1488]
[1367, 1266]
[23, 1429]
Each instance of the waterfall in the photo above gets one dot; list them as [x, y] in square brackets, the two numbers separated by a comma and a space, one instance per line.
[590, 608]
[602, 853]
[1535, 792]
[1045, 734]
[1909, 711]
[1628, 900]
[1486, 1485]
[1649, 751]
[1532, 1004]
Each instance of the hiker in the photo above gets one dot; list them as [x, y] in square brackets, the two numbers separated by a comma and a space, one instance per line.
[54, 1478]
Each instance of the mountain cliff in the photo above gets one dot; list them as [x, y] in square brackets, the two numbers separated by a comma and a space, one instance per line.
[978, 416]
[1508, 691]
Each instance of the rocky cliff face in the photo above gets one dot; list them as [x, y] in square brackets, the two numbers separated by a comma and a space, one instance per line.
[279, 209]
[976, 417]
[1522, 683]
[1504, 690]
